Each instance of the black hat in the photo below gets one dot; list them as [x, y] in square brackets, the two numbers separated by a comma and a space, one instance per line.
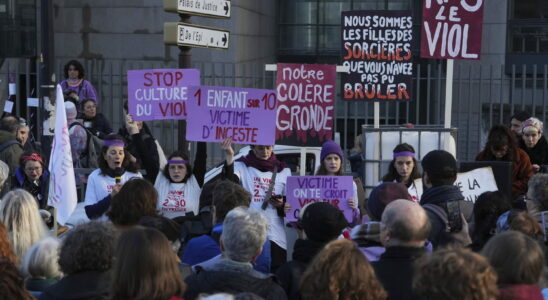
[439, 163]
[322, 222]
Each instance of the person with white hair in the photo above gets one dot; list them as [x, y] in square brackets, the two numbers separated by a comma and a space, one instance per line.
[534, 144]
[4, 174]
[19, 212]
[244, 233]
[41, 266]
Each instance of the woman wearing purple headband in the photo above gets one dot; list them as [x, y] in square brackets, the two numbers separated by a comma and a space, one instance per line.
[179, 185]
[403, 168]
[115, 168]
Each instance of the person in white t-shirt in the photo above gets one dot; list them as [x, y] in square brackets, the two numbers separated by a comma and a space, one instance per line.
[403, 168]
[115, 168]
[331, 161]
[255, 172]
[179, 184]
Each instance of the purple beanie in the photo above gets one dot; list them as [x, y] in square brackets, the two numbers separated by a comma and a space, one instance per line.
[330, 147]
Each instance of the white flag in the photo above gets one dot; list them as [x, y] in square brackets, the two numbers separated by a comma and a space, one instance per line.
[62, 185]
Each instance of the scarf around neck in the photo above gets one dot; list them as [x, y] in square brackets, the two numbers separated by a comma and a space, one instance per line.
[250, 160]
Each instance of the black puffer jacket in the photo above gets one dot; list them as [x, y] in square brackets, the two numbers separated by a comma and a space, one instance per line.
[537, 154]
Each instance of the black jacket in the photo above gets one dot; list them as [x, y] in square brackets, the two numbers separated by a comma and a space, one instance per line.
[394, 270]
[143, 147]
[85, 285]
[100, 126]
[537, 154]
[440, 195]
[12, 153]
[232, 282]
[289, 274]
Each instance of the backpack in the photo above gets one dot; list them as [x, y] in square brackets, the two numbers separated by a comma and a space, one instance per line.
[88, 158]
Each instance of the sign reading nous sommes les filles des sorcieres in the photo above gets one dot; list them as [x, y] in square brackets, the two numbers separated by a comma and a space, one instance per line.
[376, 47]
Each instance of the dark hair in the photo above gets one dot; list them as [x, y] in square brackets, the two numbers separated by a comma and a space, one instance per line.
[78, 67]
[83, 102]
[88, 247]
[440, 166]
[228, 195]
[9, 124]
[183, 155]
[500, 136]
[525, 223]
[517, 258]
[137, 198]
[12, 285]
[146, 267]
[127, 164]
[521, 116]
[393, 173]
[487, 209]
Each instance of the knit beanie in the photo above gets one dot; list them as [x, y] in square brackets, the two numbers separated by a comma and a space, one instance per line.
[382, 195]
[532, 123]
[70, 109]
[322, 222]
[439, 162]
[331, 147]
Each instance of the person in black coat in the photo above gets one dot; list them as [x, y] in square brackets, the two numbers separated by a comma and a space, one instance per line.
[322, 223]
[404, 234]
[534, 144]
[95, 122]
[244, 233]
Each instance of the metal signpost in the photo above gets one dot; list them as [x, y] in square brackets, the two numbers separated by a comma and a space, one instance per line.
[189, 35]
[213, 8]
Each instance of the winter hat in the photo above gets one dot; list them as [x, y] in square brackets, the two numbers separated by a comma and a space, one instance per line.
[439, 162]
[534, 123]
[331, 147]
[70, 109]
[384, 194]
[322, 222]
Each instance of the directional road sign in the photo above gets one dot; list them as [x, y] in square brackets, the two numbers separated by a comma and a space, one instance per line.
[191, 35]
[206, 8]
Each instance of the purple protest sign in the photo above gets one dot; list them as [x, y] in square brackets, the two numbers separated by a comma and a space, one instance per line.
[302, 190]
[159, 94]
[246, 115]
[451, 29]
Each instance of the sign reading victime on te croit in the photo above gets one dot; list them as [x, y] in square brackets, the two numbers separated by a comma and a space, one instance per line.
[206, 8]
[190, 35]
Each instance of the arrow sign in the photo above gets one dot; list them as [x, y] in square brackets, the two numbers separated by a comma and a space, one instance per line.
[190, 35]
[205, 8]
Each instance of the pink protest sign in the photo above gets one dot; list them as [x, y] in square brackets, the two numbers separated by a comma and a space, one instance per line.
[246, 115]
[302, 190]
[451, 29]
[159, 94]
[306, 94]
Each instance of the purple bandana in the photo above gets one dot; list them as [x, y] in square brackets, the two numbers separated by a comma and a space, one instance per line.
[114, 143]
[177, 161]
[404, 153]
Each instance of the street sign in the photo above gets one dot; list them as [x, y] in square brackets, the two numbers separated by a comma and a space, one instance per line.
[210, 8]
[190, 35]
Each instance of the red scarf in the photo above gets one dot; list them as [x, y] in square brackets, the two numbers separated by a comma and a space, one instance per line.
[250, 160]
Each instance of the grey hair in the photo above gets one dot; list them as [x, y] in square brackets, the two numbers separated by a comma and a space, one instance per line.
[4, 173]
[218, 296]
[538, 190]
[244, 233]
[19, 212]
[40, 261]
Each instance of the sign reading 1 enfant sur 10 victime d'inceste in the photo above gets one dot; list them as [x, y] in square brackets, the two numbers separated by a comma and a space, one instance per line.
[160, 94]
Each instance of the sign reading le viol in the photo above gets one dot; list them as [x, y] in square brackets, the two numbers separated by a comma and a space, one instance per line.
[159, 94]
[248, 116]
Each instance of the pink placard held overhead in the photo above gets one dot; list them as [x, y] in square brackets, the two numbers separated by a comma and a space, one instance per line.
[451, 29]
[302, 190]
[215, 113]
[159, 94]
[306, 94]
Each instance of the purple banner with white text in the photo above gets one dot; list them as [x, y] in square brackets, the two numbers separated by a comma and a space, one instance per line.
[160, 94]
[246, 115]
[302, 190]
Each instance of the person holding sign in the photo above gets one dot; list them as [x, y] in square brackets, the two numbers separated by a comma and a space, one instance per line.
[403, 168]
[179, 185]
[534, 144]
[115, 168]
[261, 173]
[331, 157]
[501, 146]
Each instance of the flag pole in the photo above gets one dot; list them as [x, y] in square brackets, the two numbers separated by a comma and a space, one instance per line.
[55, 226]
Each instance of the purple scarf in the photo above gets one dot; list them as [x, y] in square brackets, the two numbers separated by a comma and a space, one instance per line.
[250, 160]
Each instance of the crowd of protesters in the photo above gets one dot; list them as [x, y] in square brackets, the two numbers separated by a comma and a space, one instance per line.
[169, 235]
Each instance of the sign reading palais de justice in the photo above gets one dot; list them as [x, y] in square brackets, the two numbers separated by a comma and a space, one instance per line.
[189, 35]
[206, 8]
